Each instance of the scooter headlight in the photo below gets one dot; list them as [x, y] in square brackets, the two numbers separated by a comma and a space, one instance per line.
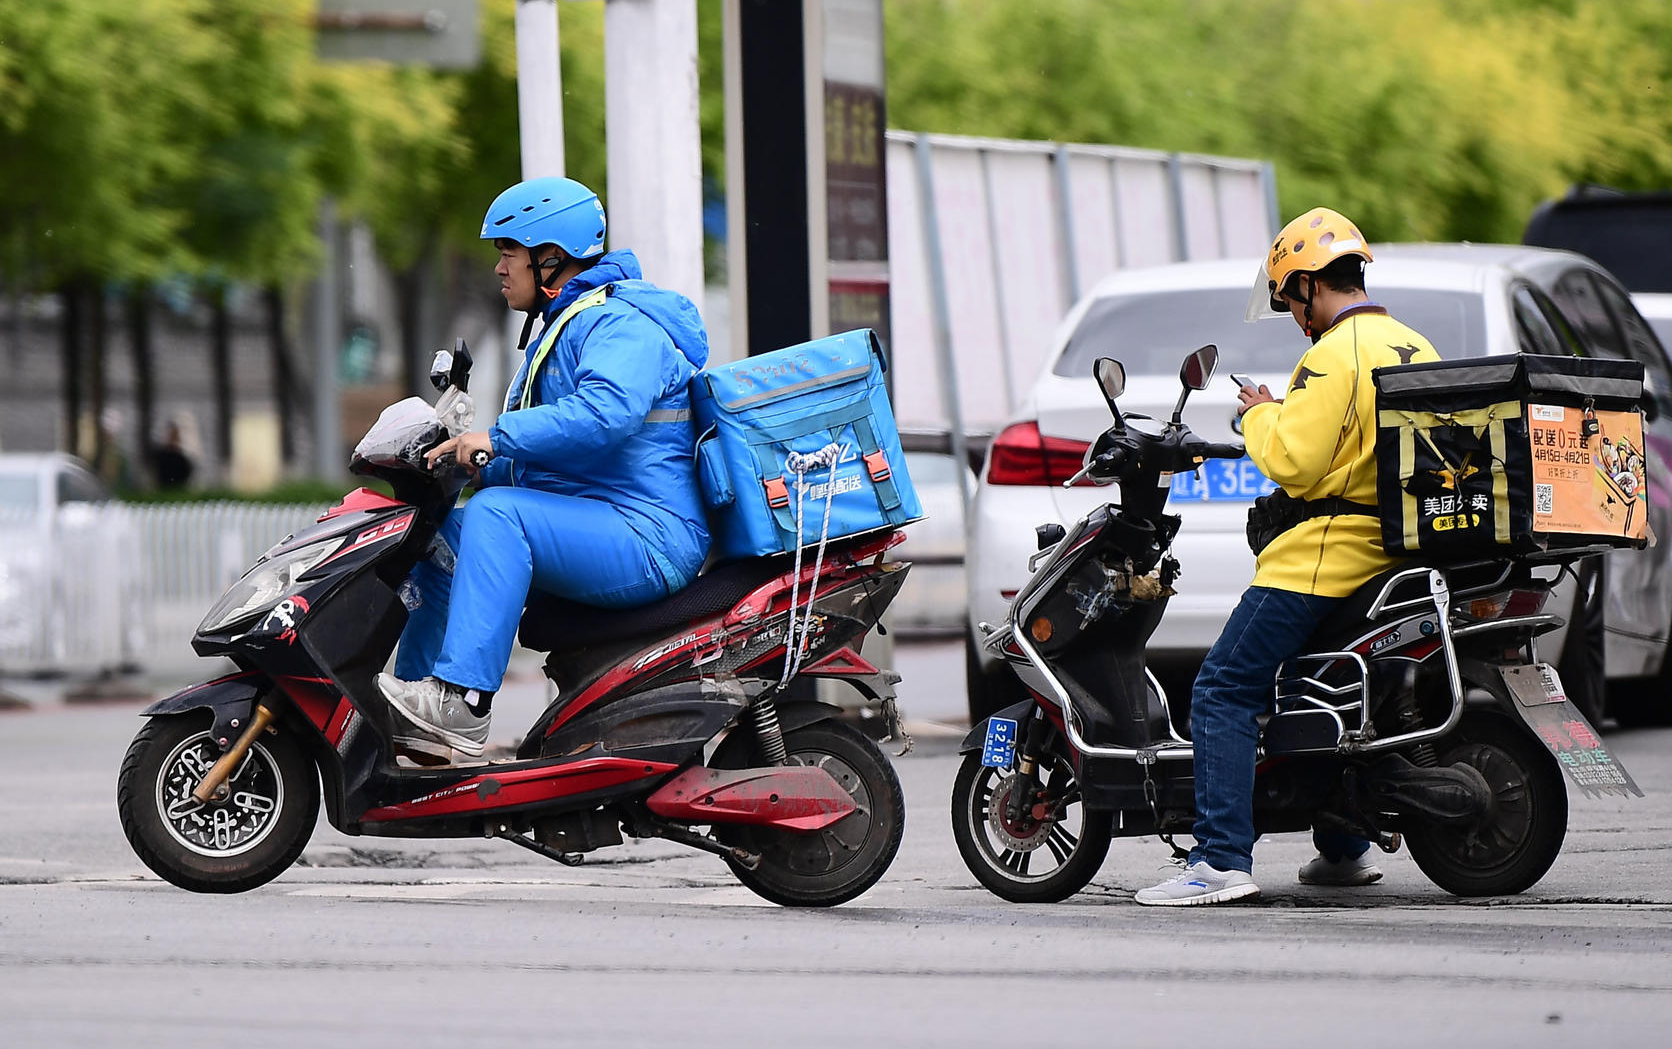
[264, 585]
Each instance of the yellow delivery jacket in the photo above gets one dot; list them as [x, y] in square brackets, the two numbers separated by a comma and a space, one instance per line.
[1320, 442]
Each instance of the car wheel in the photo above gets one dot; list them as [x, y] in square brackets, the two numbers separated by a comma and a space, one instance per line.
[1582, 665]
[989, 690]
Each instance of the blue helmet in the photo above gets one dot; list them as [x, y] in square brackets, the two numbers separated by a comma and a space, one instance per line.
[557, 211]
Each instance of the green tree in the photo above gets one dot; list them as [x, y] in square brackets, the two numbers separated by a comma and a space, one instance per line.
[1423, 119]
[90, 106]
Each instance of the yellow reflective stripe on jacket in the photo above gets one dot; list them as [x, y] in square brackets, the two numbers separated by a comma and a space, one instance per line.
[548, 339]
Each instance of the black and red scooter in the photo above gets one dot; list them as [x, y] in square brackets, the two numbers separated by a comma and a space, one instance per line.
[671, 721]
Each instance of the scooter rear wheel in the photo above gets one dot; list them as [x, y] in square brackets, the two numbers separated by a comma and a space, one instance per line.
[1510, 849]
[1068, 847]
[831, 866]
[245, 839]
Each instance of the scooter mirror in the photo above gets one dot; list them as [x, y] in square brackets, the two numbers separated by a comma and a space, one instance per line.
[1110, 376]
[1194, 375]
[460, 374]
[1111, 379]
[451, 368]
[1198, 367]
[441, 369]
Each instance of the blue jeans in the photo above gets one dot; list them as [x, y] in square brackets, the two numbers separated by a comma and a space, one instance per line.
[506, 541]
[1233, 688]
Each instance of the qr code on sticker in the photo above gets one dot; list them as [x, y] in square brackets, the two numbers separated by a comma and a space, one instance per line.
[1544, 498]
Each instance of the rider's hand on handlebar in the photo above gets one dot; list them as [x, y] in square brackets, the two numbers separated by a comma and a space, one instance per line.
[472, 449]
[1249, 397]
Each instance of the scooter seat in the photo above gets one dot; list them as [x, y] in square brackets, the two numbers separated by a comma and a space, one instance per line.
[550, 623]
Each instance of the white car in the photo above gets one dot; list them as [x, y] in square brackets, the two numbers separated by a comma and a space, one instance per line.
[70, 571]
[933, 602]
[1469, 300]
[1656, 308]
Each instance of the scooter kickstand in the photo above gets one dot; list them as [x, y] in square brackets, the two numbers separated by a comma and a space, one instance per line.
[652, 829]
[568, 859]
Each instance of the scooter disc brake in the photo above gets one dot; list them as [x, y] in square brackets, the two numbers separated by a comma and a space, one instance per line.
[1026, 836]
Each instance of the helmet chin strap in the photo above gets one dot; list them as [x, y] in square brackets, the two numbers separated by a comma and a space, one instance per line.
[1311, 286]
[542, 284]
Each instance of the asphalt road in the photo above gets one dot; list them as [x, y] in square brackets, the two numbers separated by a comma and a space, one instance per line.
[387, 942]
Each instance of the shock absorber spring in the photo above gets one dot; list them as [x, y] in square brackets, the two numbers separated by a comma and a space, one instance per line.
[1410, 720]
[763, 713]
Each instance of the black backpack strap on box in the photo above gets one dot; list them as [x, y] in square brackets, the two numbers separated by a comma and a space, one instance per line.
[1276, 513]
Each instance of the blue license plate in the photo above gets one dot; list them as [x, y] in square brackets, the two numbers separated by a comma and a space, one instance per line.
[1000, 746]
[1230, 480]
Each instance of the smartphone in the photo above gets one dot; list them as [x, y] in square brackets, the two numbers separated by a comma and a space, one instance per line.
[1243, 380]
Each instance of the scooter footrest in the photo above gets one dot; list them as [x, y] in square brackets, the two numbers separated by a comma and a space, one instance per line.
[1304, 731]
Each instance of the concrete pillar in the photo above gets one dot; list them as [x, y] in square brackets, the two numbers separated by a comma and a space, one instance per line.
[654, 139]
[539, 89]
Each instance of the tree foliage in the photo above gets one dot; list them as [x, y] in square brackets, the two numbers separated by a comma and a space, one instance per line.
[140, 138]
[91, 102]
[1437, 119]
[148, 137]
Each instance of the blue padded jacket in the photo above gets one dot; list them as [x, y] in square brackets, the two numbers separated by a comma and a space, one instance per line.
[611, 414]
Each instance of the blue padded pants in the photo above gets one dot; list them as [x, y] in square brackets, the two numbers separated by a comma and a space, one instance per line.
[507, 541]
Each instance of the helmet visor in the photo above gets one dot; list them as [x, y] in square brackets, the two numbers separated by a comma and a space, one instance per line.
[1263, 303]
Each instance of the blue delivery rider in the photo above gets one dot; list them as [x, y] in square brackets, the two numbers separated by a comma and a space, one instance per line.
[590, 493]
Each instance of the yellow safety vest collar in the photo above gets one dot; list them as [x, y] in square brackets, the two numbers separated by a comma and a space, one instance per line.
[548, 338]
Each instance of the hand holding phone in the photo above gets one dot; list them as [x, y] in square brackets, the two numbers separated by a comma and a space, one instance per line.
[1250, 393]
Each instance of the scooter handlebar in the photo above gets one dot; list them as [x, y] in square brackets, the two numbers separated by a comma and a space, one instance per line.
[1212, 450]
[1105, 466]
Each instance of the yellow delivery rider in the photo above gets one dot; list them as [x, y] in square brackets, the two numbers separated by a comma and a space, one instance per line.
[1319, 444]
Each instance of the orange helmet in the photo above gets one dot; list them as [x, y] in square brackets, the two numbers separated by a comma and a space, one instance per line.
[1306, 245]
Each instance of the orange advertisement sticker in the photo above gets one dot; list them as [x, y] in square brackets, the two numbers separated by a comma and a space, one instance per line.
[1591, 484]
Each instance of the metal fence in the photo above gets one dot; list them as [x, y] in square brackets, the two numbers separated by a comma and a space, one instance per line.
[991, 241]
[99, 587]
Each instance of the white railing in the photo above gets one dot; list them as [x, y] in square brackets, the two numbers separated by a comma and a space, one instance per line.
[88, 588]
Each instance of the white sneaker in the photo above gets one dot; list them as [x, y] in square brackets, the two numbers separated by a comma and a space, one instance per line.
[1199, 883]
[1360, 870]
[435, 713]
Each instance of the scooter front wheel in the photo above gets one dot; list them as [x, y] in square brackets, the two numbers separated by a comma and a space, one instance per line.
[1050, 853]
[246, 837]
[833, 865]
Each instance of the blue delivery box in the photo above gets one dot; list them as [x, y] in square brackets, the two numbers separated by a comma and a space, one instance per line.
[787, 435]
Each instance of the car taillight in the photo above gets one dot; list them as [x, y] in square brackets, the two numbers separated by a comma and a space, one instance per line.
[1023, 455]
[1507, 604]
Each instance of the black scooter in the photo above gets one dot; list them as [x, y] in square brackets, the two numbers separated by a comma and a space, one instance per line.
[1420, 712]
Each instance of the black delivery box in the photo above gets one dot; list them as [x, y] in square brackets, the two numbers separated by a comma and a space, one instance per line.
[1515, 452]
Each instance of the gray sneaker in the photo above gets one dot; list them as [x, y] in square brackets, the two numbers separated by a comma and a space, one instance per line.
[1199, 883]
[1360, 870]
[435, 713]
